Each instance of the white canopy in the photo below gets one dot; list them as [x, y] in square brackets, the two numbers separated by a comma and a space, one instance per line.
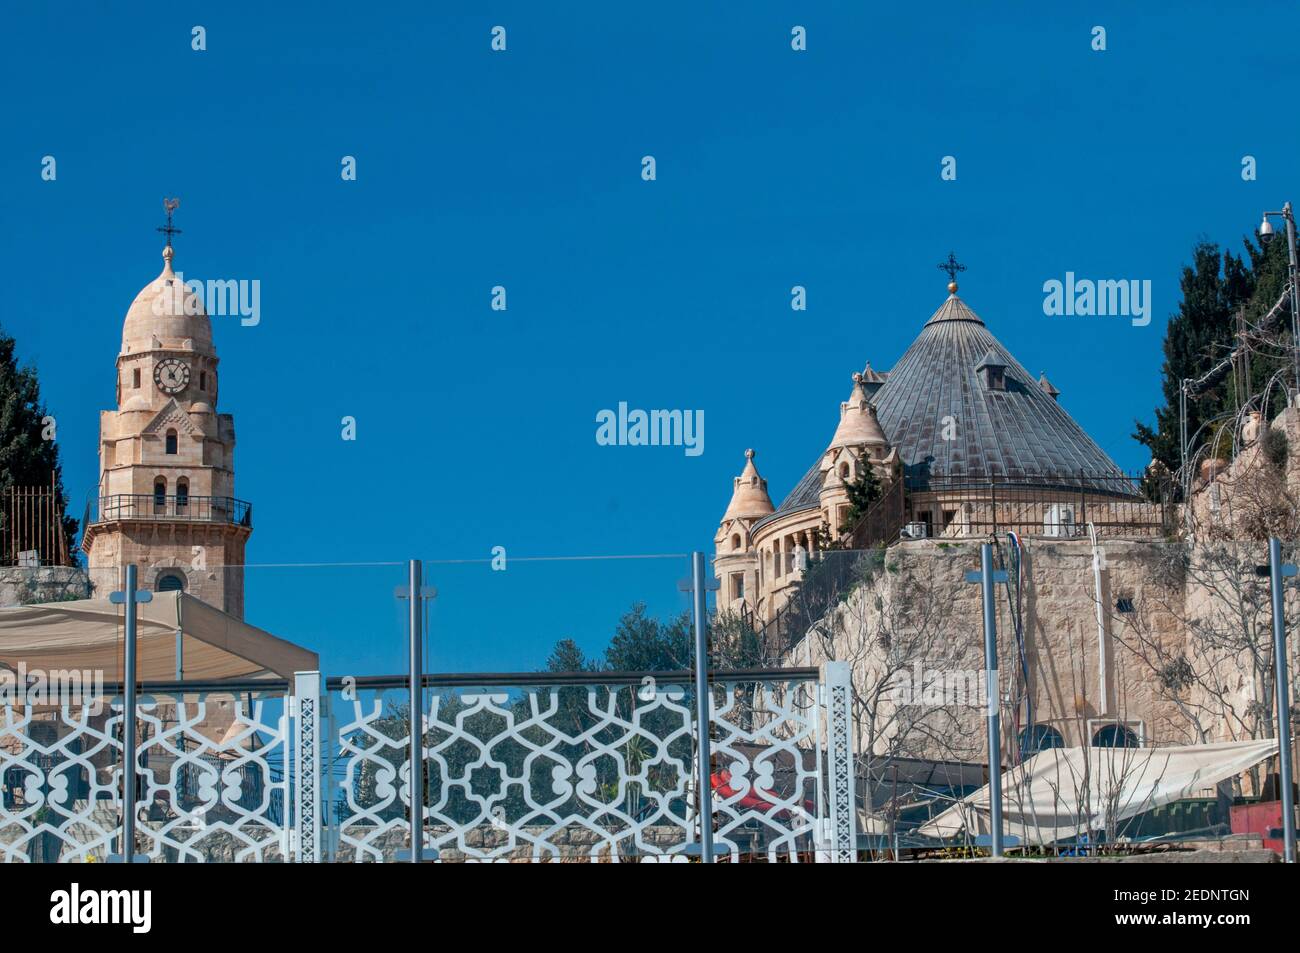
[1062, 792]
[87, 634]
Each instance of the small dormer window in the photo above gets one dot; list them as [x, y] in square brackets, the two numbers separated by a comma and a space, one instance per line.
[992, 371]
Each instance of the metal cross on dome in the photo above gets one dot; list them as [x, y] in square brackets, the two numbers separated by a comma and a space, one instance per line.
[951, 266]
[170, 205]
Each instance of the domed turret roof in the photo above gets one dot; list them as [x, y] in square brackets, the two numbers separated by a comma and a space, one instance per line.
[749, 498]
[166, 314]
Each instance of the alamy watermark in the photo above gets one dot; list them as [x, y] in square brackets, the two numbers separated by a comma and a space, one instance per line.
[651, 428]
[1123, 298]
[944, 688]
[216, 297]
[24, 687]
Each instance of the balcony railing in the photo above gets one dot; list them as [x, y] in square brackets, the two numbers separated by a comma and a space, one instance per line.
[198, 509]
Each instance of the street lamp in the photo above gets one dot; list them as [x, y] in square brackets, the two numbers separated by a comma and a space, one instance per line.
[1266, 235]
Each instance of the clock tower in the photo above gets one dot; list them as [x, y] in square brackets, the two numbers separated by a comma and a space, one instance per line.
[166, 497]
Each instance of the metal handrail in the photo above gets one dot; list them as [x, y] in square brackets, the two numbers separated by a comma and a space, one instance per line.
[198, 509]
[546, 679]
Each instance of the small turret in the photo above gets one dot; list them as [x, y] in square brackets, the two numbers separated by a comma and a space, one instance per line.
[858, 425]
[749, 499]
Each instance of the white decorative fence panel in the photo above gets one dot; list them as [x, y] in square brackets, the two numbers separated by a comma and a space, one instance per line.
[575, 767]
[529, 767]
[213, 776]
[59, 778]
[210, 776]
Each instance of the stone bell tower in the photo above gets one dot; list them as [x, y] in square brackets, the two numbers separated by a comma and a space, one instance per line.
[166, 497]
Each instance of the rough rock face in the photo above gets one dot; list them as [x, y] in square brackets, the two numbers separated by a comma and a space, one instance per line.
[1167, 607]
[23, 586]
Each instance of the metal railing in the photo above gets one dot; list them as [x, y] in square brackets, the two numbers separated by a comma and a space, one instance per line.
[882, 521]
[827, 579]
[1056, 505]
[31, 527]
[199, 509]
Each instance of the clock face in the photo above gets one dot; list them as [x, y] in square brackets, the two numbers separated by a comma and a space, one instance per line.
[172, 375]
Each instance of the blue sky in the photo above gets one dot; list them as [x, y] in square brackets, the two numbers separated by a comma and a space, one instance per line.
[522, 169]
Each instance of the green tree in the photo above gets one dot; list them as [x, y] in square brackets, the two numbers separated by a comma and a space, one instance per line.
[26, 457]
[863, 491]
[1204, 331]
[567, 656]
[645, 644]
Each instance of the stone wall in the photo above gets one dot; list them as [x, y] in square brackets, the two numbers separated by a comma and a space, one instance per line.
[22, 586]
[918, 609]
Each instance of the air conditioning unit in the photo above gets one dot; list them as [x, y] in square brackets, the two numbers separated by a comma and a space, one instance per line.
[1059, 520]
[915, 531]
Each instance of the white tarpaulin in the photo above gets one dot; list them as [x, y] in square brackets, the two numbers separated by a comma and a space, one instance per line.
[1063, 792]
[87, 634]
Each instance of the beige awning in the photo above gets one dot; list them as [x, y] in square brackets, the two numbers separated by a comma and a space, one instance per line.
[87, 634]
[1063, 792]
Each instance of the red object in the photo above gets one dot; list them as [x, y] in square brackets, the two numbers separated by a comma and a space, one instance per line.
[720, 781]
[1263, 818]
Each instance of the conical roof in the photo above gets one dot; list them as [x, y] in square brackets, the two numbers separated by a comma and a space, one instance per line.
[749, 497]
[1019, 433]
[858, 424]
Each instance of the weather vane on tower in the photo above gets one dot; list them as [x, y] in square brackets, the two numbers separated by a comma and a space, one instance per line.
[952, 267]
[170, 206]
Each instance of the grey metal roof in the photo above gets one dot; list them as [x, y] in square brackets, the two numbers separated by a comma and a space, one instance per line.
[1020, 433]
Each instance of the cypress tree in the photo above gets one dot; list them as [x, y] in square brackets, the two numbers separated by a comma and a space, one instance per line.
[27, 459]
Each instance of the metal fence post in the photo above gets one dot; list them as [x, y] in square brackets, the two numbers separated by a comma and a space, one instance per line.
[699, 585]
[307, 779]
[703, 716]
[986, 577]
[1277, 569]
[837, 677]
[416, 779]
[416, 592]
[128, 598]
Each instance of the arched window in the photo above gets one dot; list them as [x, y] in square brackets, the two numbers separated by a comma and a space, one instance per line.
[170, 581]
[160, 492]
[844, 471]
[203, 380]
[135, 378]
[1114, 736]
[182, 493]
[171, 442]
[1038, 738]
[735, 542]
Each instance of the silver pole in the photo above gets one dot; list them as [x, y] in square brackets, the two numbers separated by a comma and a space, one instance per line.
[702, 708]
[128, 721]
[1289, 217]
[417, 714]
[1182, 436]
[994, 698]
[1283, 700]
